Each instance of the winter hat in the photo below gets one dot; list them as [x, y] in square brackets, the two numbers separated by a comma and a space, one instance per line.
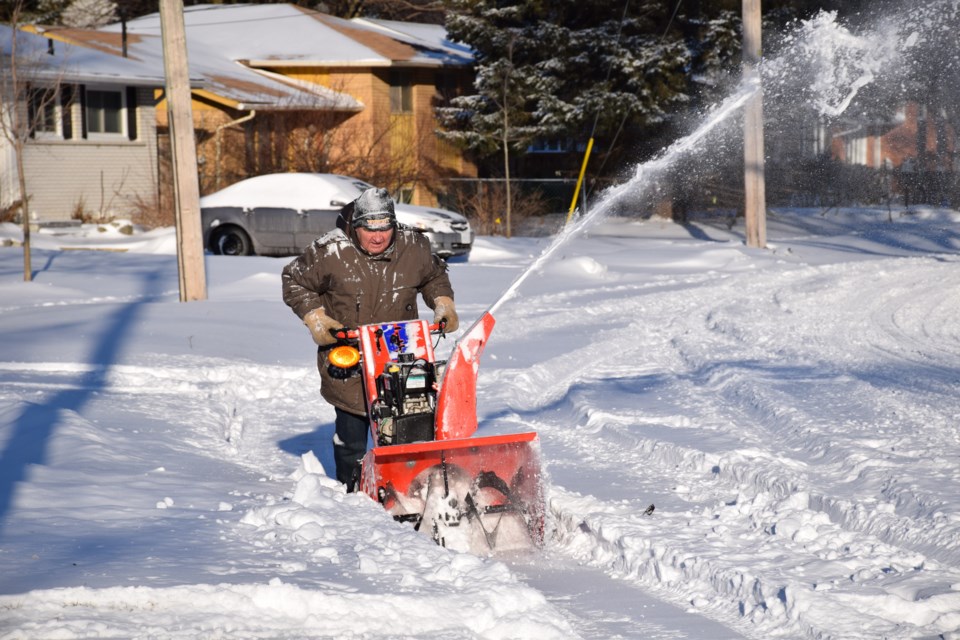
[374, 210]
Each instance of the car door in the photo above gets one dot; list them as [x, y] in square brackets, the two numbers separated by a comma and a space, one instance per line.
[274, 228]
[314, 223]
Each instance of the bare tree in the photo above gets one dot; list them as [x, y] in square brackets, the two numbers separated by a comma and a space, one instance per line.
[390, 152]
[28, 99]
[89, 14]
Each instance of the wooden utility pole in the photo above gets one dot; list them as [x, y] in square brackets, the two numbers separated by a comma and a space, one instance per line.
[755, 208]
[186, 186]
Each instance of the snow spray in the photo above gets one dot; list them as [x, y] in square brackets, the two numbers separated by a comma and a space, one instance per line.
[643, 175]
[822, 66]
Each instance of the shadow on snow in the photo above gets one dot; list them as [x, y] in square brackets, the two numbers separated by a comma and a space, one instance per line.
[32, 430]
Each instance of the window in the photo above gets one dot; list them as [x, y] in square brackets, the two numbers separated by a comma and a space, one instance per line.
[448, 86]
[856, 149]
[42, 112]
[541, 145]
[401, 92]
[104, 111]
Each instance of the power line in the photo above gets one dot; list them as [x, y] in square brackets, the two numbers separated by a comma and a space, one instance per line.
[670, 22]
[596, 119]
[303, 11]
[623, 120]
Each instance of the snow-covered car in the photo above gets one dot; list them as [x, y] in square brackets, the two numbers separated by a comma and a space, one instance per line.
[280, 214]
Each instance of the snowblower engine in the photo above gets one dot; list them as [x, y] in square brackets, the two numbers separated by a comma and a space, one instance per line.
[406, 401]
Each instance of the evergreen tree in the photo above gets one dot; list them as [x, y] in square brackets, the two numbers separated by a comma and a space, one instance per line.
[570, 69]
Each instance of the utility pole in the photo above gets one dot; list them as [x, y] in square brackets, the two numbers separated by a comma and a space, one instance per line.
[755, 210]
[193, 283]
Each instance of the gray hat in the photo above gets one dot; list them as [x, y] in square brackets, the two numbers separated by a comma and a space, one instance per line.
[374, 208]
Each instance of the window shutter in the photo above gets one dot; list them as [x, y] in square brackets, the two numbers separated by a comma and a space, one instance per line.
[66, 111]
[31, 112]
[132, 113]
[83, 111]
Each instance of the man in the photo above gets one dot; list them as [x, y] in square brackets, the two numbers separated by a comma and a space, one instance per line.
[367, 270]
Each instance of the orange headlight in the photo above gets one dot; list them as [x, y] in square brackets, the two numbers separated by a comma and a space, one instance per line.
[344, 357]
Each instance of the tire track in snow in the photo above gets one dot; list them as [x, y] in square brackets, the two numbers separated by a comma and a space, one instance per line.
[910, 408]
[779, 477]
[227, 409]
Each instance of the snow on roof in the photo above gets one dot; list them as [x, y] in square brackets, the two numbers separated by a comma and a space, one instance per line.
[429, 36]
[61, 61]
[227, 43]
[223, 75]
[278, 34]
[257, 32]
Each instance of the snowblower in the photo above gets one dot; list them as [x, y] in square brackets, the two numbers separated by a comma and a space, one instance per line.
[477, 494]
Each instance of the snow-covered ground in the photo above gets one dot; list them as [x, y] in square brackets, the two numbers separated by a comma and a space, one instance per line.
[792, 413]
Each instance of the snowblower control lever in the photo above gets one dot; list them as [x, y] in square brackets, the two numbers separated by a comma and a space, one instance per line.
[353, 335]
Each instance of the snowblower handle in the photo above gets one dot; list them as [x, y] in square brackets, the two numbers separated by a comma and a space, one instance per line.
[344, 334]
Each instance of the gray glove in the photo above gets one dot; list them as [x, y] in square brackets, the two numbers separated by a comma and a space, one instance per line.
[320, 325]
[444, 310]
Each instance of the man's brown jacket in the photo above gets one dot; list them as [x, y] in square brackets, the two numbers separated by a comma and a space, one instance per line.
[356, 288]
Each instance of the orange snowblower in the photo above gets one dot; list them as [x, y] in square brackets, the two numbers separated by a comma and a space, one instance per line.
[477, 494]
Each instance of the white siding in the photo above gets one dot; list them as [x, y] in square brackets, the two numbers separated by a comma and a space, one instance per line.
[105, 177]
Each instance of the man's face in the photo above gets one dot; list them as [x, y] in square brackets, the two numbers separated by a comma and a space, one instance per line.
[376, 240]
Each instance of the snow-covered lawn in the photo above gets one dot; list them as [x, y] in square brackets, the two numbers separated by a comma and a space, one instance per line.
[791, 413]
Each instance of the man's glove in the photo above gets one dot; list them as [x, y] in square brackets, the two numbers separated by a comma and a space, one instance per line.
[444, 310]
[320, 325]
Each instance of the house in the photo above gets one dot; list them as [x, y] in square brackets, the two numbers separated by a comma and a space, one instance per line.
[88, 129]
[283, 88]
[225, 96]
[916, 148]
[909, 155]
[291, 89]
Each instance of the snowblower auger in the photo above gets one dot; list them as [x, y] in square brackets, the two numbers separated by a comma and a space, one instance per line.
[477, 494]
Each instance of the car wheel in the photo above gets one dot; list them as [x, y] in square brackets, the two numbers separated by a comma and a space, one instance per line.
[231, 241]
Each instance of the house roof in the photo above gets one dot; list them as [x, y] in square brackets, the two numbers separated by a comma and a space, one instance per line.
[212, 76]
[64, 62]
[430, 38]
[274, 35]
[230, 49]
